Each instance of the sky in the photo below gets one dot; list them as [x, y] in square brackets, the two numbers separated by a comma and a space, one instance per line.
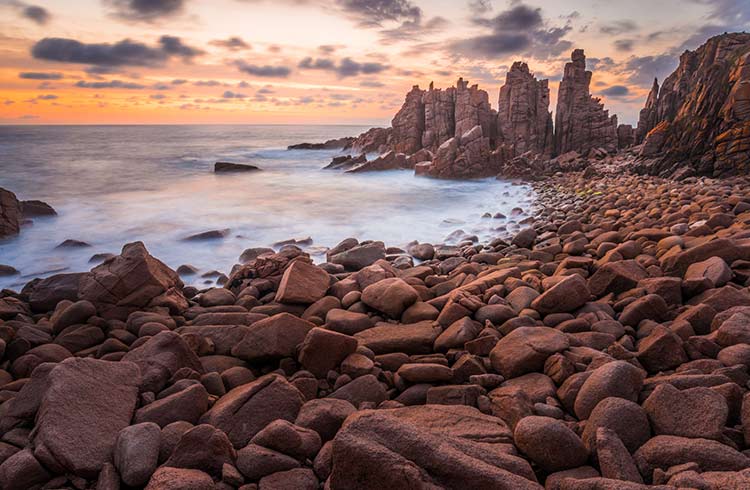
[324, 61]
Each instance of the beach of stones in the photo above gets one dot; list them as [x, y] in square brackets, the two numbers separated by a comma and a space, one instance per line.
[604, 346]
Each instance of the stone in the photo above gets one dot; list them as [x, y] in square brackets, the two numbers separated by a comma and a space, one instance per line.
[614, 459]
[255, 462]
[324, 416]
[363, 389]
[130, 281]
[160, 357]
[273, 338]
[525, 238]
[136, 454]
[203, 447]
[457, 334]
[10, 214]
[186, 405]
[225, 167]
[616, 277]
[550, 443]
[667, 451]
[416, 338]
[425, 373]
[661, 350]
[47, 293]
[695, 412]
[625, 418]
[708, 274]
[649, 307]
[618, 379]
[390, 296]
[287, 438]
[323, 350]
[84, 408]
[525, 350]
[359, 256]
[298, 478]
[247, 409]
[347, 322]
[74, 314]
[302, 283]
[567, 295]
[417, 447]
[22, 471]
[166, 478]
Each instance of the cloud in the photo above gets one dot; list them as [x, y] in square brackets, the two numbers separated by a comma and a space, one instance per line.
[179, 81]
[145, 10]
[158, 96]
[519, 30]
[480, 6]
[642, 70]
[233, 43]
[35, 75]
[105, 56]
[345, 68]
[616, 91]
[110, 84]
[371, 83]
[412, 30]
[174, 46]
[233, 95]
[624, 45]
[37, 14]
[264, 70]
[373, 13]
[618, 27]
[207, 83]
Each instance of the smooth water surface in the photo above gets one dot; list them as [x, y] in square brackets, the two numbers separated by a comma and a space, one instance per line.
[116, 184]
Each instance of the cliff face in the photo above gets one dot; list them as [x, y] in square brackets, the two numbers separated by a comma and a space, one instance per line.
[701, 117]
[581, 122]
[524, 122]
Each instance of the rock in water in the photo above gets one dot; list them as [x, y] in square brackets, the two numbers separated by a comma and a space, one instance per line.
[10, 213]
[132, 280]
[87, 404]
[225, 167]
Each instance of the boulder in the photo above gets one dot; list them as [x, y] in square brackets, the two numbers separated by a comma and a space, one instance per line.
[550, 443]
[160, 358]
[273, 338]
[618, 379]
[664, 452]
[136, 454]
[10, 214]
[567, 295]
[203, 447]
[166, 478]
[385, 338]
[131, 281]
[225, 167]
[84, 408]
[390, 296]
[247, 409]
[695, 412]
[323, 350]
[525, 350]
[359, 256]
[302, 283]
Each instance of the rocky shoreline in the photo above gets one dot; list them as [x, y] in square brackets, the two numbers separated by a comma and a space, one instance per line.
[604, 346]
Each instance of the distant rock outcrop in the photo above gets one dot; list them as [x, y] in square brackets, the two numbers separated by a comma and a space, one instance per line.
[700, 121]
[10, 213]
[581, 122]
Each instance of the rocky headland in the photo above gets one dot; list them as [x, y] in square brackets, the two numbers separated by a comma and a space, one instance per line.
[605, 345]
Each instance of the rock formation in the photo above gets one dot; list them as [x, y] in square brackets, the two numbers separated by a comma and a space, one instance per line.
[408, 124]
[581, 122]
[439, 117]
[524, 122]
[625, 136]
[10, 213]
[701, 117]
[648, 118]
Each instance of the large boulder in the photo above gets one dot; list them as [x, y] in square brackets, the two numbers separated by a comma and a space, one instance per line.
[87, 404]
[302, 283]
[45, 294]
[665, 452]
[390, 296]
[696, 412]
[426, 447]
[160, 358]
[10, 213]
[385, 338]
[567, 295]
[618, 379]
[550, 443]
[247, 409]
[526, 349]
[359, 256]
[132, 281]
[272, 338]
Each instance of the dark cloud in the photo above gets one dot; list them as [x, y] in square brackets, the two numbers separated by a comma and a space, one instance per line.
[618, 27]
[233, 43]
[37, 14]
[412, 30]
[518, 30]
[264, 70]
[174, 46]
[265, 91]
[111, 84]
[371, 84]
[624, 45]
[123, 53]
[46, 97]
[179, 81]
[327, 48]
[145, 10]
[616, 91]
[347, 67]
[600, 64]
[34, 75]
[479, 7]
[206, 83]
[373, 13]
[104, 57]
[158, 96]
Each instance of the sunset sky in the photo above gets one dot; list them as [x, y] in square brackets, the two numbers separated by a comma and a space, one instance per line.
[323, 61]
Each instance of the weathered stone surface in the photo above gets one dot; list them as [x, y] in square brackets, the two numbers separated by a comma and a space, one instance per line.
[550, 443]
[581, 122]
[247, 409]
[700, 117]
[615, 379]
[524, 121]
[567, 295]
[160, 358]
[696, 412]
[390, 296]
[666, 451]
[427, 446]
[10, 213]
[273, 338]
[525, 350]
[204, 448]
[166, 478]
[614, 458]
[409, 123]
[384, 338]
[83, 410]
[132, 280]
[323, 350]
[136, 453]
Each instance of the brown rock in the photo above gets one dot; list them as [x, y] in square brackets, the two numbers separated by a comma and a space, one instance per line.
[323, 350]
[614, 459]
[10, 213]
[302, 283]
[385, 338]
[273, 338]
[390, 296]
[618, 379]
[666, 451]
[526, 349]
[550, 443]
[696, 412]
[567, 295]
[166, 478]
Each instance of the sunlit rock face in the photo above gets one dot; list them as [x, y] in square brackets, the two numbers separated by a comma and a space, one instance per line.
[699, 120]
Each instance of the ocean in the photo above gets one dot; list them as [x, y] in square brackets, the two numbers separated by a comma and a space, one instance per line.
[113, 185]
